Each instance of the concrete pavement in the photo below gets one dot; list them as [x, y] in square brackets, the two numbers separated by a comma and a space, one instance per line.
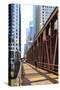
[36, 76]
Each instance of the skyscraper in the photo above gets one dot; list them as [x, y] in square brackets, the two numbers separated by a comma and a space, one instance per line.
[14, 33]
[45, 12]
[41, 14]
[29, 36]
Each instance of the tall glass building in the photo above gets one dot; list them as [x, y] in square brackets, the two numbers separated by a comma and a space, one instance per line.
[45, 12]
[41, 14]
[14, 34]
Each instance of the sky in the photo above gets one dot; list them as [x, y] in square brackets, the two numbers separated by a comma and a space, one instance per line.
[26, 16]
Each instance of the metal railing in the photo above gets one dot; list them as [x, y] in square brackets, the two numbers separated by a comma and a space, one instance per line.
[19, 76]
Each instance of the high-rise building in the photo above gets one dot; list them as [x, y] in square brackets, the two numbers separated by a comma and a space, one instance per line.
[41, 14]
[45, 12]
[36, 19]
[14, 33]
[29, 36]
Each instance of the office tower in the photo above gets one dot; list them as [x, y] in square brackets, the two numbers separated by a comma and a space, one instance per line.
[45, 12]
[14, 35]
[41, 14]
[30, 34]
[36, 19]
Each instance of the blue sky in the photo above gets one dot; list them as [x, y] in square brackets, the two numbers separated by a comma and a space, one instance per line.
[26, 16]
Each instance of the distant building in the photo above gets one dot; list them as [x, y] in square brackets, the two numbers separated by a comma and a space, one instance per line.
[41, 14]
[25, 49]
[30, 34]
[36, 18]
[45, 12]
[31, 31]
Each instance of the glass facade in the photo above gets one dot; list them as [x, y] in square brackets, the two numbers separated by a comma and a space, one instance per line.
[14, 35]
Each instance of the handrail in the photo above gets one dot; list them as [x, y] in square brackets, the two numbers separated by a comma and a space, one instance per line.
[19, 74]
[50, 70]
[48, 64]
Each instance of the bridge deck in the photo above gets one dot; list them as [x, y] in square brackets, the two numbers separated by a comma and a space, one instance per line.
[36, 76]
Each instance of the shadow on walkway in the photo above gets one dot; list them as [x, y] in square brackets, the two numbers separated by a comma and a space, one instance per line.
[45, 75]
[26, 81]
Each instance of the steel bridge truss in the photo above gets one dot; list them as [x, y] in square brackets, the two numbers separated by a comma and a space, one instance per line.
[44, 50]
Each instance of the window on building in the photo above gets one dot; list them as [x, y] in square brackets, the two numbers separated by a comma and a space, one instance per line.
[16, 18]
[16, 44]
[13, 27]
[16, 30]
[16, 48]
[13, 24]
[43, 12]
[46, 6]
[12, 47]
[16, 23]
[12, 39]
[13, 44]
[16, 36]
[42, 6]
[16, 33]
[12, 54]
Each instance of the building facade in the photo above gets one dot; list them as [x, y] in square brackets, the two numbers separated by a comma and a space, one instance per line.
[14, 33]
[29, 36]
[45, 12]
[41, 14]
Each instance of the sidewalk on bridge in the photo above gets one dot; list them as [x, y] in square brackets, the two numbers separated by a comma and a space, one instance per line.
[36, 76]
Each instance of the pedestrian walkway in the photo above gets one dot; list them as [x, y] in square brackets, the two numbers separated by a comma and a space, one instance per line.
[36, 76]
